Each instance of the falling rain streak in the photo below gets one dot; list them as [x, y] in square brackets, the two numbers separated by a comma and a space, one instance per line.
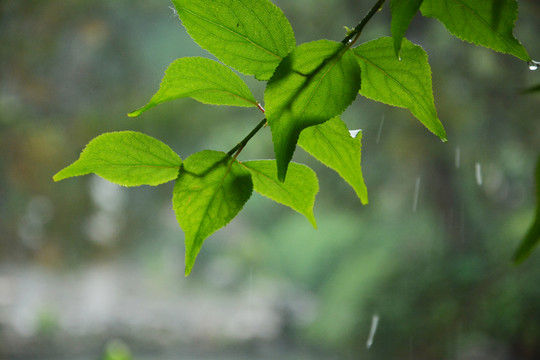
[416, 191]
[374, 323]
[458, 157]
[380, 130]
[478, 173]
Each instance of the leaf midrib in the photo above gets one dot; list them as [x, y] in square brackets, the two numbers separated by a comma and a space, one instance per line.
[207, 207]
[318, 84]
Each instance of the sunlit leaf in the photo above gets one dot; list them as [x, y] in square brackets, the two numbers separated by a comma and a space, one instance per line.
[210, 190]
[251, 36]
[204, 80]
[333, 145]
[405, 83]
[297, 191]
[126, 158]
[403, 12]
[532, 238]
[488, 23]
[316, 82]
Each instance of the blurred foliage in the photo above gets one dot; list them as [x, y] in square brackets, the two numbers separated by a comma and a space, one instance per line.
[439, 277]
[117, 350]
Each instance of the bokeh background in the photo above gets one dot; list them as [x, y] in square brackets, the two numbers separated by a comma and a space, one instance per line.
[90, 270]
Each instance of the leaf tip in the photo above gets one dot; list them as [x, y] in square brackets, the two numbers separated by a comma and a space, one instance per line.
[312, 220]
[60, 175]
[282, 172]
[134, 113]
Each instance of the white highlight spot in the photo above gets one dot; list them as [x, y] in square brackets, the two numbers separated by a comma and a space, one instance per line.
[533, 65]
[354, 132]
[374, 323]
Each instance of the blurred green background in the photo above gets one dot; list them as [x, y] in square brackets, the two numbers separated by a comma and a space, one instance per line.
[90, 270]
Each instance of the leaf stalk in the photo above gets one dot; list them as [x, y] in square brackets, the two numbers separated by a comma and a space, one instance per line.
[240, 146]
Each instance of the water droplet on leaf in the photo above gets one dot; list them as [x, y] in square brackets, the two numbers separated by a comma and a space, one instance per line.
[354, 132]
[533, 65]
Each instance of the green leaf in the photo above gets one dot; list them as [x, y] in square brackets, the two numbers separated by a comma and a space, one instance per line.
[532, 238]
[209, 192]
[297, 191]
[487, 23]
[403, 12]
[332, 144]
[316, 82]
[252, 36]
[204, 80]
[126, 158]
[532, 89]
[405, 83]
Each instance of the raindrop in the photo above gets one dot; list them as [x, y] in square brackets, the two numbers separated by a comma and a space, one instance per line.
[175, 13]
[374, 323]
[458, 157]
[380, 130]
[478, 173]
[354, 132]
[462, 223]
[250, 287]
[416, 191]
[533, 65]
[399, 58]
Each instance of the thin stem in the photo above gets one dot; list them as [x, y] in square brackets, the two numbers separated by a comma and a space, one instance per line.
[243, 143]
[353, 35]
[260, 107]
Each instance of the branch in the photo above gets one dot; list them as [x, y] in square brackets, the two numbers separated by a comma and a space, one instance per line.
[243, 143]
[358, 29]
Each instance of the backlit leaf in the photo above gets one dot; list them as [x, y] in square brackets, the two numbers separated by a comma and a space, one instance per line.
[251, 36]
[405, 83]
[403, 12]
[204, 80]
[297, 191]
[532, 238]
[316, 82]
[488, 23]
[333, 145]
[126, 158]
[210, 191]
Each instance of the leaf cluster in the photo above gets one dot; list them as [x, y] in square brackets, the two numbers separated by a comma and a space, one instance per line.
[308, 87]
